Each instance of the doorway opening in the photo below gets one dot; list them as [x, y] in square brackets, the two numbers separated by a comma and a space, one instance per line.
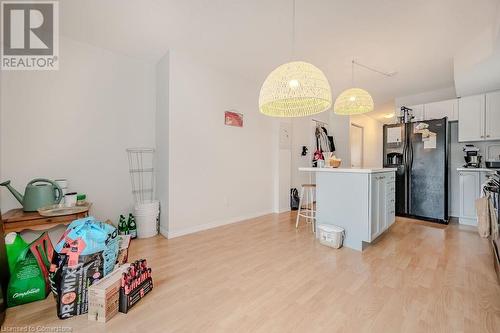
[356, 136]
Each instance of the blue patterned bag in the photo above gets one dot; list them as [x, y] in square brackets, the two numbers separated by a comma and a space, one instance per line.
[91, 236]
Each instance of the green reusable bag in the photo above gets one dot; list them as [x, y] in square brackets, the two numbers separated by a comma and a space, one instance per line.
[29, 278]
[14, 245]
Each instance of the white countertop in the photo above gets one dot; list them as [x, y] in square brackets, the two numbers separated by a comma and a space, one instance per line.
[349, 170]
[478, 169]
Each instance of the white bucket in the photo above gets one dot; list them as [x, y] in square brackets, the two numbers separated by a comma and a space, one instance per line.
[147, 206]
[331, 235]
[146, 215]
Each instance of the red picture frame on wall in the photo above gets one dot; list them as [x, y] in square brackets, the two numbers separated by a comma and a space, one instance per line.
[232, 118]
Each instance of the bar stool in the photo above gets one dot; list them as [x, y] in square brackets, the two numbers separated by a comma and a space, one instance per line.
[307, 196]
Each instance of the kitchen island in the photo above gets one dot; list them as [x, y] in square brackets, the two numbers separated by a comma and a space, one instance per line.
[362, 201]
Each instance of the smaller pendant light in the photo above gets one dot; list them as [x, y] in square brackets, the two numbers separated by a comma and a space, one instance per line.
[354, 100]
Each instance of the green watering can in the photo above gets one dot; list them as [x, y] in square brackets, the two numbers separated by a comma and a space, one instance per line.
[38, 193]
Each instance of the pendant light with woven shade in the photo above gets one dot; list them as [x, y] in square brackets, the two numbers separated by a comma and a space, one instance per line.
[295, 89]
[353, 101]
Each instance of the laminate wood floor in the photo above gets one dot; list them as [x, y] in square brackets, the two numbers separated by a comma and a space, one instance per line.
[263, 275]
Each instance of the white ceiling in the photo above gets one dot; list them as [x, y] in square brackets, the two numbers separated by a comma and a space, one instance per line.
[416, 38]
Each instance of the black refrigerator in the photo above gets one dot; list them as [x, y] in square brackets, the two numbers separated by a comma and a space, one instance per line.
[419, 151]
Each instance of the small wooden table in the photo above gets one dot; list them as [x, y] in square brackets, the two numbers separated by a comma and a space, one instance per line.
[16, 220]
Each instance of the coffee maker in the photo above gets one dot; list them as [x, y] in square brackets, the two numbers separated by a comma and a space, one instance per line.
[471, 156]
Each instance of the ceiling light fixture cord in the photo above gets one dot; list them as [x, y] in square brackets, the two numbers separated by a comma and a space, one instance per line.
[354, 62]
[293, 30]
[352, 73]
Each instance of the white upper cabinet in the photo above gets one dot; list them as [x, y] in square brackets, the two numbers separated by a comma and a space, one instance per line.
[439, 110]
[492, 118]
[478, 116]
[471, 113]
[418, 112]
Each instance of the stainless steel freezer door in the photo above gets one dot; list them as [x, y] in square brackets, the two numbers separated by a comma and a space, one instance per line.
[428, 194]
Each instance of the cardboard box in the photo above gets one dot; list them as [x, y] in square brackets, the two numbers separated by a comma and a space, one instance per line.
[104, 296]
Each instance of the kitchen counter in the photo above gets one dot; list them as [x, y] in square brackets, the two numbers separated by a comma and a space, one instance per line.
[478, 169]
[349, 170]
[362, 201]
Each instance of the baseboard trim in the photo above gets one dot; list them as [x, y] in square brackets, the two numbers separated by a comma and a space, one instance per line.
[191, 230]
[164, 231]
[468, 221]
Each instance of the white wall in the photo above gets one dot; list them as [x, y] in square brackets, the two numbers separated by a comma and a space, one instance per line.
[217, 174]
[372, 140]
[425, 97]
[283, 164]
[162, 138]
[76, 123]
[303, 135]
[340, 129]
[476, 65]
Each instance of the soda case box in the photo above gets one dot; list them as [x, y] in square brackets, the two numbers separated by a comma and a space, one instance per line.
[104, 296]
[136, 283]
[127, 301]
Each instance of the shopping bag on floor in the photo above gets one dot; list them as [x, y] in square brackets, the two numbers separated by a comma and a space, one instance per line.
[483, 217]
[294, 199]
[29, 280]
[86, 252]
[14, 245]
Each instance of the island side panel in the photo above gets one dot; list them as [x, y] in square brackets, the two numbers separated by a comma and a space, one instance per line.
[343, 200]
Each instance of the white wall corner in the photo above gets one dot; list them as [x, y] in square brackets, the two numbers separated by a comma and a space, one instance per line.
[162, 139]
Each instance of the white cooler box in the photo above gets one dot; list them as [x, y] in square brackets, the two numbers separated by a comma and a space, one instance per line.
[331, 235]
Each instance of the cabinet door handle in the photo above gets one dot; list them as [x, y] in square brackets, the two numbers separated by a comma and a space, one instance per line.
[482, 136]
[488, 136]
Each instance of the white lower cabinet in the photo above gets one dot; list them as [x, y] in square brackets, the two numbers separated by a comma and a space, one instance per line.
[390, 201]
[359, 200]
[470, 190]
[382, 203]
